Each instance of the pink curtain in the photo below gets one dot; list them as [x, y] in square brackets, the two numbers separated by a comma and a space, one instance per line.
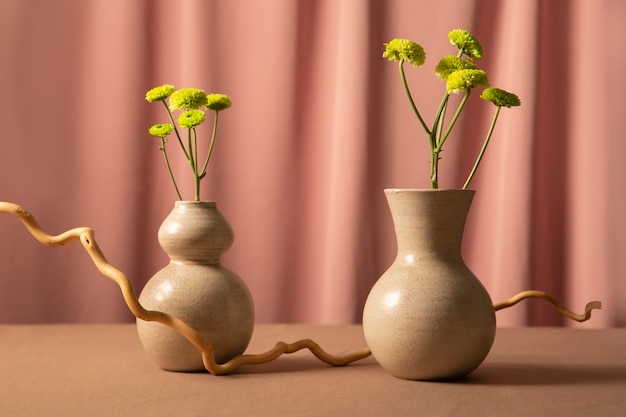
[318, 128]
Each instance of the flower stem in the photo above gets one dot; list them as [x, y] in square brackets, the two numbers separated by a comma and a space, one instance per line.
[432, 140]
[439, 139]
[440, 117]
[459, 109]
[180, 142]
[169, 168]
[195, 152]
[194, 166]
[408, 95]
[208, 155]
[434, 169]
[192, 162]
[196, 175]
[484, 147]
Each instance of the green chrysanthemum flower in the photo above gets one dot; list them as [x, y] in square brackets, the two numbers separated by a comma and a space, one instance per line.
[449, 64]
[466, 79]
[159, 93]
[187, 99]
[191, 118]
[500, 97]
[218, 102]
[161, 130]
[406, 50]
[467, 43]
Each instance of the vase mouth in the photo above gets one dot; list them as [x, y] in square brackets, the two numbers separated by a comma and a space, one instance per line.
[195, 203]
[427, 190]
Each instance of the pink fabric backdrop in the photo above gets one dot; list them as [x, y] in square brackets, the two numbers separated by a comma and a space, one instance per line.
[318, 128]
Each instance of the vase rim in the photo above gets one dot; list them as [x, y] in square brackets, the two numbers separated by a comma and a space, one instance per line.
[427, 190]
[194, 202]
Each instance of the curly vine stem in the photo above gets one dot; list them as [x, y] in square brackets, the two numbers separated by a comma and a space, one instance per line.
[86, 237]
[547, 297]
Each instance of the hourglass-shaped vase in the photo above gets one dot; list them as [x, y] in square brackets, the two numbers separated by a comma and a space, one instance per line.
[196, 288]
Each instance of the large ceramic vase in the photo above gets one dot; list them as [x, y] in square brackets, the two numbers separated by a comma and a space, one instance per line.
[428, 317]
[196, 288]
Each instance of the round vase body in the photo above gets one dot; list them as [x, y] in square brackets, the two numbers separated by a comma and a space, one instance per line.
[428, 317]
[197, 289]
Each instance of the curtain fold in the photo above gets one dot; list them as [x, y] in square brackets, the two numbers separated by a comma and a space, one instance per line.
[319, 127]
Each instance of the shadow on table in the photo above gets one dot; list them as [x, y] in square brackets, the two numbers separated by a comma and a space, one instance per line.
[501, 374]
[543, 374]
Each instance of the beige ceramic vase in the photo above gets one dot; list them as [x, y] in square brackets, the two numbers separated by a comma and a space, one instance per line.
[428, 317]
[196, 288]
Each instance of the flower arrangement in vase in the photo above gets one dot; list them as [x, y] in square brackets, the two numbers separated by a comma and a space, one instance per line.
[192, 102]
[194, 286]
[428, 317]
[461, 76]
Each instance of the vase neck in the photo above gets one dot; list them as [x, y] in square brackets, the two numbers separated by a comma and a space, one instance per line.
[429, 220]
[195, 231]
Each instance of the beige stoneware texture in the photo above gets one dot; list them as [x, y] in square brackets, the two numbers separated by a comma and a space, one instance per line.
[428, 317]
[196, 288]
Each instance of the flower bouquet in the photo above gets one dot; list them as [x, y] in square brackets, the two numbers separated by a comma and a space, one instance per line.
[193, 102]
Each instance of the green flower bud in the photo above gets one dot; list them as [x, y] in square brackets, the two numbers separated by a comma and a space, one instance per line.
[500, 97]
[187, 99]
[467, 43]
[405, 50]
[191, 118]
[161, 130]
[159, 93]
[449, 64]
[218, 102]
[466, 79]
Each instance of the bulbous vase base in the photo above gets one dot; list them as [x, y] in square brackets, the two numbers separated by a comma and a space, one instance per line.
[211, 299]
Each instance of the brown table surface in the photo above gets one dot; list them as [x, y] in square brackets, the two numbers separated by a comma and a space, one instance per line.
[101, 370]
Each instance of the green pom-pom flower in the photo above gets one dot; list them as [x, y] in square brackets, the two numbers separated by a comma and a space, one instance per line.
[218, 102]
[450, 64]
[466, 79]
[188, 99]
[161, 130]
[500, 97]
[159, 93]
[467, 43]
[405, 50]
[191, 118]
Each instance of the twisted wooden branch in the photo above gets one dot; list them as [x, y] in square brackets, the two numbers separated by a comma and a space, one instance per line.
[87, 239]
[557, 305]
